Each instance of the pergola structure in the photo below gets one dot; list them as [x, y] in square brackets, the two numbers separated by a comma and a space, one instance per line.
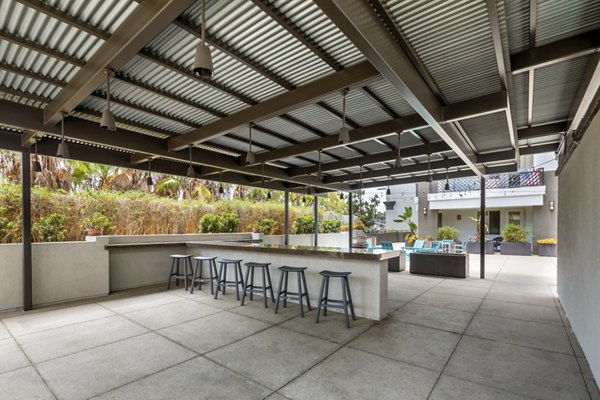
[459, 86]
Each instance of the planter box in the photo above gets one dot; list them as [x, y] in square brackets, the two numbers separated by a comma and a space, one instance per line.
[440, 264]
[515, 249]
[473, 247]
[547, 250]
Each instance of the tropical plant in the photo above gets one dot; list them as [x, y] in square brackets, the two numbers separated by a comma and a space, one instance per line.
[51, 228]
[330, 226]
[303, 224]
[210, 223]
[406, 217]
[448, 233]
[514, 234]
[549, 241]
[229, 222]
[266, 226]
[478, 233]
[98, 221]
[410, 239]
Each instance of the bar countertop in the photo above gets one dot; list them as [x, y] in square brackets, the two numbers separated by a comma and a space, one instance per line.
[334, 252]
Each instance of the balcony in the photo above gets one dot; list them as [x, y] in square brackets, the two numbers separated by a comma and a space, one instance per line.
[523, 179]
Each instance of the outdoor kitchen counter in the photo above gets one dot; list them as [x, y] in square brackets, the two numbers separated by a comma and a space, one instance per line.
[368, 268]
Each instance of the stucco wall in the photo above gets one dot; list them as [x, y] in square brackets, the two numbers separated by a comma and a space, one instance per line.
[427, 224]
[545, 222]
[578, 250]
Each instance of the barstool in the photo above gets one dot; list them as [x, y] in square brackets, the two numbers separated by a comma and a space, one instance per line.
[283, 283]
[187, 259]
[223, 282]
[266, 281]
[346, 295]
[197, 276]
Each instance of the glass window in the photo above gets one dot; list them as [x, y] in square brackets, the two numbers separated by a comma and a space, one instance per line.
[514, 217]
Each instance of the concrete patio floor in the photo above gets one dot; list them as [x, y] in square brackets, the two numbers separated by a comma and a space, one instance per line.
[505, 337]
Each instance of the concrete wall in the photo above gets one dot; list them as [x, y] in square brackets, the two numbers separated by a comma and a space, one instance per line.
[578, 250]
[545, 222]
[404, 196]
[325, 239]
[61, 272]
[427, 224]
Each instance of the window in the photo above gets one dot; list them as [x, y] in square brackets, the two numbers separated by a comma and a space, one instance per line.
[514, 217]
[492, 220]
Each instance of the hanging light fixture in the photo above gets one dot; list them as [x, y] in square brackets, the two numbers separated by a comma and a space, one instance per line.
[37, 166]
[221, 190]
[341, 193]
[149, 180]
[388, 191]
[447, 186]
[320, 172]
[398, 162]
[361, 185]
[344, 136]
[250, 155]
[203, 66]
[190, 171]
[108, 119]
[263, 181]
[429, 176]
[63, 148]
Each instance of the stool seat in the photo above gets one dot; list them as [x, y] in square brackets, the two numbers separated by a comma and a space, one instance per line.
[205, 258]
[255, 264]
[249, 285]
[291, 269]
[180, 255]
[334, 274]
[229, 261]
[175, 273]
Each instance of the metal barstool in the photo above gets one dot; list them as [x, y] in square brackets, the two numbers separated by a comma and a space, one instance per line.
[197, 276]
[187, 259]
[282, 292]
[223, 282]
[266, 282]
[324, 300]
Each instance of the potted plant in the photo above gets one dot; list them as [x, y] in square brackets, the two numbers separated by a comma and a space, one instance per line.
[515, 241]
[473, 242]
[96, 225]
[547, 247]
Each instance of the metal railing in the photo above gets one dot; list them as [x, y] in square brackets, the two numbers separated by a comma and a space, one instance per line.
[502, 181]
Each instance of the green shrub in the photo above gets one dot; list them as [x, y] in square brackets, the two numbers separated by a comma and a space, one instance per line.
[303, 224]
[331, 226]
[51, 228]
[448, 233]
[515, 234]
[98, 221]
[266, 226]
[229, 222]
[210, 223]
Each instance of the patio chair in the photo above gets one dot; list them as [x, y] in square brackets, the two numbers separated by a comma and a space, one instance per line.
[416, 246]
[387, 245]
[447, 245]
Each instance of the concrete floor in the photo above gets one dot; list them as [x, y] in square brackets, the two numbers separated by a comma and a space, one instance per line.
[505, 337]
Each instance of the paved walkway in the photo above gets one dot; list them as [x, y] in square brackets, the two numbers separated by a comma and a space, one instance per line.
[500, 338]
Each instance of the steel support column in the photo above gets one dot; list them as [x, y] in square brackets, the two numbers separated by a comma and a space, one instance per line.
[350, 220]
[316, 220]
[26, 228]
[286, 218]
[482, 231]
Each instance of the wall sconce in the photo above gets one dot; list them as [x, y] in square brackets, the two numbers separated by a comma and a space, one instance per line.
[424, 210]
[551, 204]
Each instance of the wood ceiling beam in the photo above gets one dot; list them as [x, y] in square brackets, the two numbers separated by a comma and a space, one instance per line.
[146, 21]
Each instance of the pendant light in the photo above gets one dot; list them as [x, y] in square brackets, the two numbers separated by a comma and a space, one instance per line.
[388, 191]
[398, 162]
[203, 66]
[341, 193]
[37, 166]
[320, 172]
[190, 171]
[221, 190]
[250, 155]
[263, 181]
[63, 148]
[149, 180]
[447, 186]
[344, 136]
[361, 185]
[429, 176]
[108, 119]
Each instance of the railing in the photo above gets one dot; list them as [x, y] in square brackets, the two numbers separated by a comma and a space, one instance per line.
[504, 181]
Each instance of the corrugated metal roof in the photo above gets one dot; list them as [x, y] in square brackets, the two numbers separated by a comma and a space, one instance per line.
[287, 129]
[558, 19]
[27, 85]
[453, 40]
[318, 118]
[390, 96]
[517, 19]
[488, 132]
[105, 14]
[519, 98]
[555, 89]
[359, 107]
